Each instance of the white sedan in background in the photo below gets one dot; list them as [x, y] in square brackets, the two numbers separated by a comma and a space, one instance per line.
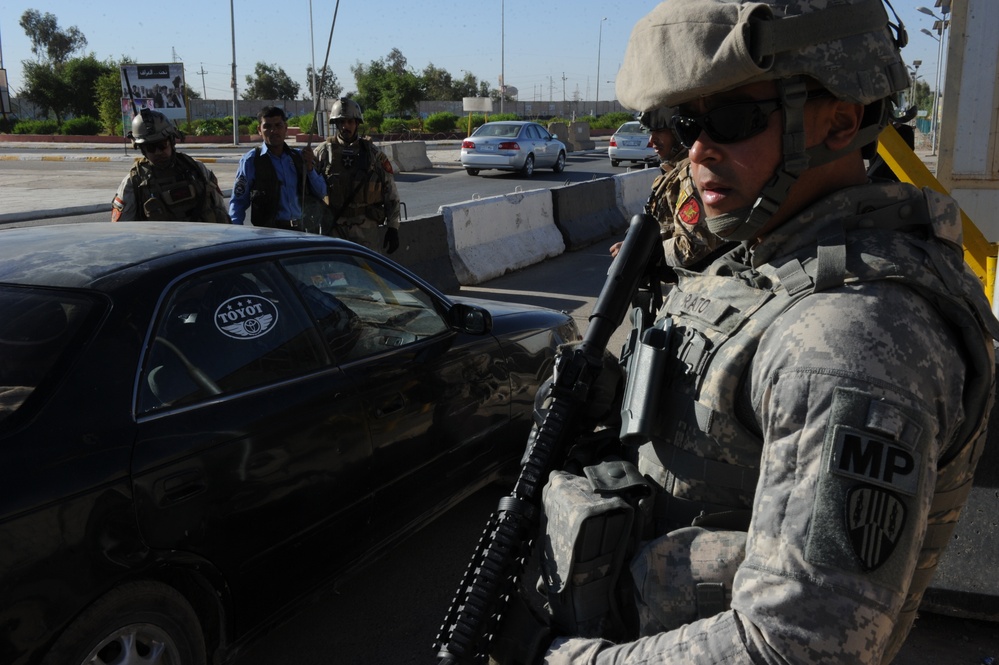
[512, 146]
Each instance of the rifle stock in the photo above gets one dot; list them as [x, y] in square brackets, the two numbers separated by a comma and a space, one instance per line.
[499, 558]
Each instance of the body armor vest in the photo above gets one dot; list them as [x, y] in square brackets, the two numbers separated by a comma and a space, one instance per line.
[719, 318]
[179, 193]
[356, 188]
[266, 193]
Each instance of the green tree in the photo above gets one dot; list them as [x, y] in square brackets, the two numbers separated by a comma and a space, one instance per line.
[387, 85]
[80, 76]
[47, 83]
[437, 84]
[331, 88]
[270, 82]
[49, 42]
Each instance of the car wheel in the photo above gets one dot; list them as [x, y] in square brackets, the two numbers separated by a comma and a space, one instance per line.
[559, 163]
[141, 622]
[528, 168]
[472, 171]
[615, 162]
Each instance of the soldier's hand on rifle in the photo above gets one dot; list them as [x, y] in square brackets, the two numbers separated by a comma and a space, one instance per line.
[308, 158]
[523, 636]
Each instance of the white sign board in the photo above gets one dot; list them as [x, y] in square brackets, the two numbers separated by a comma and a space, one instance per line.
[477, 104]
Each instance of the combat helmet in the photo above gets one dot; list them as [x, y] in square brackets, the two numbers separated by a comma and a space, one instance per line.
[152, 126]
[345, 108]
[659, 119]
[685, 49]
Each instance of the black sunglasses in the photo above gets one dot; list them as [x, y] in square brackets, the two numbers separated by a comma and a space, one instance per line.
[730, 123]
[155, 147]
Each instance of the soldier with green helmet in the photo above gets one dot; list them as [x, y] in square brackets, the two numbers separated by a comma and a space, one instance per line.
[827, 387]
[166, 185]
[674, 201]
[359, 179]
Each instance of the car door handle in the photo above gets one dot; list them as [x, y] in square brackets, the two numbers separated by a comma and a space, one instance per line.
[180, 486]
[393, 405]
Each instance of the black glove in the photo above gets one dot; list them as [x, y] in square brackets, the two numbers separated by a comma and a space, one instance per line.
[523, 636]
[391, 242]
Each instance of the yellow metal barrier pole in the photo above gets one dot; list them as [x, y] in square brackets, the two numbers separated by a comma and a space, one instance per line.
[909, 168]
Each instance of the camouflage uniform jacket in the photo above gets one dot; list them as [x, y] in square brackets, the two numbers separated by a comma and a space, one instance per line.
[188, 191]
[675, 204]
[359, 182]
[846, 362]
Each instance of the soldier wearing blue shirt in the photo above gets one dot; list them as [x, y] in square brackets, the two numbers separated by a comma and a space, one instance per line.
[269, 180]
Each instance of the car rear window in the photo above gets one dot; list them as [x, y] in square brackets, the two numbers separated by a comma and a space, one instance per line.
[37, 329]
[632, 128]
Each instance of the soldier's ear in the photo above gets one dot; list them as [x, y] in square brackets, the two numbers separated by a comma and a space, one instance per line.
[843, 122]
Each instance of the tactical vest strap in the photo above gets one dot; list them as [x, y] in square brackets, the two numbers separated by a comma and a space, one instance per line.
[691, 467]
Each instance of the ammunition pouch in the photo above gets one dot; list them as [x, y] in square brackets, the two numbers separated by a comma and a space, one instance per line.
[591, 526]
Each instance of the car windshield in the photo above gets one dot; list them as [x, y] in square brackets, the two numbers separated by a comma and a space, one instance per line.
[497, 129]
[632, 128]
[36, 329]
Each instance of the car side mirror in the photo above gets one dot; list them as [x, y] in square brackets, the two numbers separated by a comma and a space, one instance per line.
[470, 319]
[554, 136]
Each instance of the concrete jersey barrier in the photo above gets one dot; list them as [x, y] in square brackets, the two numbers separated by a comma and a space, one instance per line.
[633, 189]
[492, 236]
[588, 212]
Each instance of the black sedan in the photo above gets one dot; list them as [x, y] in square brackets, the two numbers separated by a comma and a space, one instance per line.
[202, 424]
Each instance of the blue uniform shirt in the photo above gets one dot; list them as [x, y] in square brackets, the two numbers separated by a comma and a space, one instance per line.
[289, 207]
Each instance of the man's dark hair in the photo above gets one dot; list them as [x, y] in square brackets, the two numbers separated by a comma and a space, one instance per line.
[270, 112]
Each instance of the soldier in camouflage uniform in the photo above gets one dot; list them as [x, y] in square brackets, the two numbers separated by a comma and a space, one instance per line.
[360, 182]
[829, 380]
[166, 185]
[674, 201]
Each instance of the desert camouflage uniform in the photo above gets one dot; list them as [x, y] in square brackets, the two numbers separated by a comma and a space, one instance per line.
[187, 191]
[361, 189]
[834, 380]
[675, 204]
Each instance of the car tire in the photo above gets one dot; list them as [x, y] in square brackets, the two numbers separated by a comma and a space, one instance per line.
[615, 162]
[528, 168]
[559, 163]
[128, 625]
[472, 171]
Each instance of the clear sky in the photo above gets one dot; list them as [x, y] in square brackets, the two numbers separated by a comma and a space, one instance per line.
[546, 48]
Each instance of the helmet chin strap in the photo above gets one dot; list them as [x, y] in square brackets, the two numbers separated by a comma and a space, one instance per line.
[746, 223]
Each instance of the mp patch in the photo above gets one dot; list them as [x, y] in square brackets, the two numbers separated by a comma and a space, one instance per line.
[239, 188]
[875, 519]
[875, 459]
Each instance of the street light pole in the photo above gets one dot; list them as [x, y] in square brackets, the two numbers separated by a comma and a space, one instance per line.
[600, 39]
[502, 53]
[940, 26]
[235, 103]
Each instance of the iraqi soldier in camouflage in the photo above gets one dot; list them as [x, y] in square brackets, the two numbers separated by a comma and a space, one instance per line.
[166, 185]
[674, 201]
[359, 181]
[828, 382]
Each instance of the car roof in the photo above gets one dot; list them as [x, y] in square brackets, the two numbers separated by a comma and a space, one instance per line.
[81, 255]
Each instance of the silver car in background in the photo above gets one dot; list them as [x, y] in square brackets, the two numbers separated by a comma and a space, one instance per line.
[632, 143]
[512, 145]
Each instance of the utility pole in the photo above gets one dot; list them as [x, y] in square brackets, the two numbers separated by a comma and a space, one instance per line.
[563, 93]
[176, 58]
[204, 90]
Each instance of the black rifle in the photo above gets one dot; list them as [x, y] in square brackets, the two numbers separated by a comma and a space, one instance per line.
[498, 561]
